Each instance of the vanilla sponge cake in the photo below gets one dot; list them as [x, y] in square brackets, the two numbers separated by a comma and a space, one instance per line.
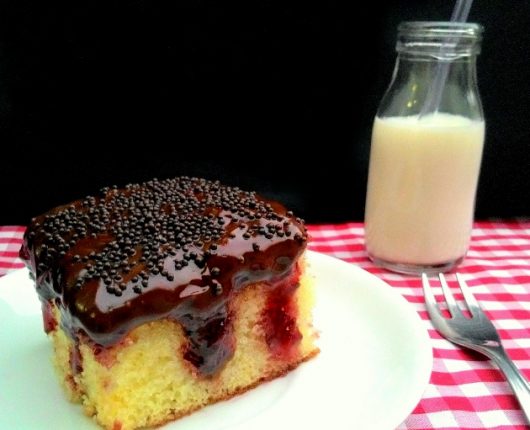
[163, 297]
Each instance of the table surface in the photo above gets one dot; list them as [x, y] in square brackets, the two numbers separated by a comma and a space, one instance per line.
[465, 390]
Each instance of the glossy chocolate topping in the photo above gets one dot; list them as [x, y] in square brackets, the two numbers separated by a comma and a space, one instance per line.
[176, 248]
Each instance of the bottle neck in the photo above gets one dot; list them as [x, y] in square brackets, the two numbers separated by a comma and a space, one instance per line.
[413, 79]
[435, 71]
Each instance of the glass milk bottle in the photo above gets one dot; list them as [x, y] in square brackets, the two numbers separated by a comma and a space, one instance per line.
[426, 151]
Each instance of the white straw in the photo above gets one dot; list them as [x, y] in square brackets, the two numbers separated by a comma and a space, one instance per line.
[461, 10]
[434, 95]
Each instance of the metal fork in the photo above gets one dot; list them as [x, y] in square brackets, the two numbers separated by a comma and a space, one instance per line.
[477, 333]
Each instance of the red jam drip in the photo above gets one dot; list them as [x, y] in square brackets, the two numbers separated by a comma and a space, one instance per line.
[177, 249]
[76, 359]
[279, 320]
[48, 319]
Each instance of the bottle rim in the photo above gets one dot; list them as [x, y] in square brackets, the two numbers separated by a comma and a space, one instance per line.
[441, 29]
[445, 37]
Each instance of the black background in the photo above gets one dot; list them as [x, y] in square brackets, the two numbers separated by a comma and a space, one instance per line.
[273, 96]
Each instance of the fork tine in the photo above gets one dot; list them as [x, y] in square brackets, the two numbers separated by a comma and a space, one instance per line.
[430, 301]
[449, 298]
[471, 302]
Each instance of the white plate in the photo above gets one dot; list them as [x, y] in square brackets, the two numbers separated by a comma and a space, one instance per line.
[374, 364]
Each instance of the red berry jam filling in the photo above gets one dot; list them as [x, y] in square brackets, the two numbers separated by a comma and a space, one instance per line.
[279, 319]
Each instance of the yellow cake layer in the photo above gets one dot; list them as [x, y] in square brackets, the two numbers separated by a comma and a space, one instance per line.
[144, 381]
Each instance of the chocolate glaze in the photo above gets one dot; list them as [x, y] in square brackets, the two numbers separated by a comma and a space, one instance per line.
[178, 248]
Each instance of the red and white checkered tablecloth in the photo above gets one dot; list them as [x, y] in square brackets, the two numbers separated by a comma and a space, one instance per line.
[465, 390]
[10, 241]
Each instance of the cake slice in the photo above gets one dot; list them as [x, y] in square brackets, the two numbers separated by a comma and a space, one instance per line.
[164, 297]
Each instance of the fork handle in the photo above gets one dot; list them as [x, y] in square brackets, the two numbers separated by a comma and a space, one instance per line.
[517, 381]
